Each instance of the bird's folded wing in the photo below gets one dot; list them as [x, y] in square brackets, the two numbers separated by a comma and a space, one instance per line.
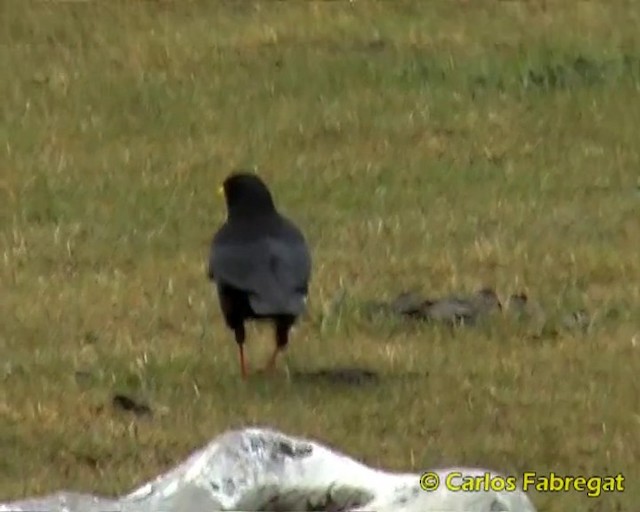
[275, 273]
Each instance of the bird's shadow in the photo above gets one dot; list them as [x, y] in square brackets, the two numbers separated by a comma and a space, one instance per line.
[350, 376]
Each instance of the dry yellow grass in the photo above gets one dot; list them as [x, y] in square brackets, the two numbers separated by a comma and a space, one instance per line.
[442, 145]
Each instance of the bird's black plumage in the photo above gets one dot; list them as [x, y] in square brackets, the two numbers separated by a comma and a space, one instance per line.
[259, 260]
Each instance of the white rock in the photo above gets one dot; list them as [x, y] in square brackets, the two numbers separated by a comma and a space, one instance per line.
[261, 469]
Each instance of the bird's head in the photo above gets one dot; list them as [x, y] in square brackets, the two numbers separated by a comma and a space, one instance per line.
[246, 195]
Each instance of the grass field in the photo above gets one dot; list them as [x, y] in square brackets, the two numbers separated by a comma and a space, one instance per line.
[435, 145]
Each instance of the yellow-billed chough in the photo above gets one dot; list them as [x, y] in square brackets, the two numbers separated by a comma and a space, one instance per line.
[260, 262]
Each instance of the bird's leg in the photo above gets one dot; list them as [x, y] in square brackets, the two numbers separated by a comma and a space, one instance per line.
[240, 337]
[282, 338]
[272, 360]
[243, 365]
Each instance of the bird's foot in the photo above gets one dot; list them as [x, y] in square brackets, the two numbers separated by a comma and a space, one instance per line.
[267, 369]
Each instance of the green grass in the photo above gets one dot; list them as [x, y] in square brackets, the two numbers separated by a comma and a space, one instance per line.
[437, 145]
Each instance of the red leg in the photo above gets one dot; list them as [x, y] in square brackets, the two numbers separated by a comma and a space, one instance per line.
[240, 337]
[282, 338]
[243, 365]
[272, 360]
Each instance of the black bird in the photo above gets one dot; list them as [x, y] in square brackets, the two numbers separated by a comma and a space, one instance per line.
[259, 261]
